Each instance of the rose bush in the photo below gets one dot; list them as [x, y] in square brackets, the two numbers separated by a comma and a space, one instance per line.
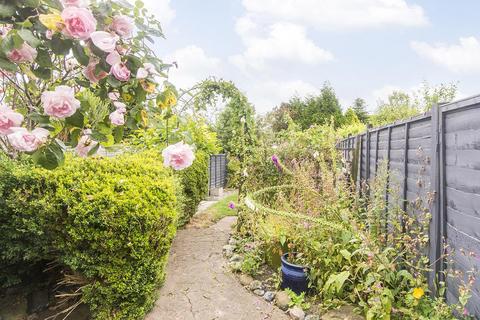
[55, 56]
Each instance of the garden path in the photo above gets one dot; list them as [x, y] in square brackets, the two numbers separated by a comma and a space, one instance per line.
[199, 285]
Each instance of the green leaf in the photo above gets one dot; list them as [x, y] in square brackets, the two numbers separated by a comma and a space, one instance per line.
[113, 81]
[8, 65]
[7, 10]
[346, 254]
[31, 3]
[61, 46]
[76, 120]
[118, 133]
[94, 149]
[50, 156]
[28, 36]
[80, 55]
[43, 73]
[43, 58]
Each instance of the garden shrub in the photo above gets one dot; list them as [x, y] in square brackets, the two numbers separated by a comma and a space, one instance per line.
[110, 221]
[194, 182]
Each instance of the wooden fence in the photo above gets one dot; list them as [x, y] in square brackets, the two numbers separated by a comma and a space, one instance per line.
[217, 171]
[434, 156]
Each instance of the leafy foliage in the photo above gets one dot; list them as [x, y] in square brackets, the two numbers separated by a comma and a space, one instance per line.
[108, 221]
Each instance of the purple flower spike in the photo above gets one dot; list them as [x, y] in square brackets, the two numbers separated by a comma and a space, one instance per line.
[276, 162]
[231, 205]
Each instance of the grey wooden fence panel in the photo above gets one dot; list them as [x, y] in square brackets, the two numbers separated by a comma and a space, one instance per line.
[434, 157]
[217, 171]
[461, 155]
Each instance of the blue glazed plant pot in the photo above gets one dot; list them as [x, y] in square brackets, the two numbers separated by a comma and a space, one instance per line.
[294, 277]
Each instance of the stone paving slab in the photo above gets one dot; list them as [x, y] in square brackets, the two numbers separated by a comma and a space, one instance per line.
[199, 285]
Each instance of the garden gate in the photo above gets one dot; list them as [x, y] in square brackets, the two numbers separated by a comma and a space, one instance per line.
[436, 156]
[217, 169]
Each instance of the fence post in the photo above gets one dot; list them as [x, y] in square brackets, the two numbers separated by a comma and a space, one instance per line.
[376, 150]
[367, 154]
[360, 160]
[405, 166]
[435, 233]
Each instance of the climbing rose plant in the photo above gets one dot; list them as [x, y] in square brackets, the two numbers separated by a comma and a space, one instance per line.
[77, 74]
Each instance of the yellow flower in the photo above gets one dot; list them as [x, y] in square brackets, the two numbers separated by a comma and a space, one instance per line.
[148, 86]
[418, 293]
[127, 97]
[52, 21]
[166, 99]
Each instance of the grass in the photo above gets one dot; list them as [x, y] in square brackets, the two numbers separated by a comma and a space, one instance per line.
[220, 209]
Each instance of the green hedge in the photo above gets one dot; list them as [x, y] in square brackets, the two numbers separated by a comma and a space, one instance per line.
[110, 220]
[195, 185]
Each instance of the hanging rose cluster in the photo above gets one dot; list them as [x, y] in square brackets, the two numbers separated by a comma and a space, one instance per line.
[77, 75]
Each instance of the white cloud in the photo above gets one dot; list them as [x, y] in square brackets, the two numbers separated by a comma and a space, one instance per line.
[280, 41]
[334, 14]
[381, 94]
[162, 10]
[267, 94]
[462, 58]
[193, 66]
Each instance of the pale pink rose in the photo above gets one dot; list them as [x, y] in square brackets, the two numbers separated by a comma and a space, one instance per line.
[179, 156]
[5, 29]
[85, 144]
[60, 103]
[104, 41]
[148, 69]
[79, 23]
[8, 120]
[142, 73]
[75, 3]
[117, 117]
[23, 140]
[113, 58]
[120, 71]
[24, 54]
[120, 105]
[122, 25]
[92, 74]
[114, 96]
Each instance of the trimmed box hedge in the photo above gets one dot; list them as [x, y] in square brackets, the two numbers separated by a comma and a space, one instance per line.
[109, 220]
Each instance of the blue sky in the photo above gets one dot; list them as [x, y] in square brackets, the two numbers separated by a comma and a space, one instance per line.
[273, 49]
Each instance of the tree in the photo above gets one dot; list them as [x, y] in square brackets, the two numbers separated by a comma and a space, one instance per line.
[401, 105]
[360, 109]
[308, 111]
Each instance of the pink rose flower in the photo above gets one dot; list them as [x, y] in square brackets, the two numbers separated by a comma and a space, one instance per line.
[92, 74]
[178, 156]
[117, 117]
[8, 120]
[85, 144]
[24, 54]
[23, 140]
[75, 3]
[120, 71]
[104, 41]
[148, 69]
[114, 96]
[60, 103]
[122, 25]
[113, 58]
[5, 29]
[79, 23]
[120, 106]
